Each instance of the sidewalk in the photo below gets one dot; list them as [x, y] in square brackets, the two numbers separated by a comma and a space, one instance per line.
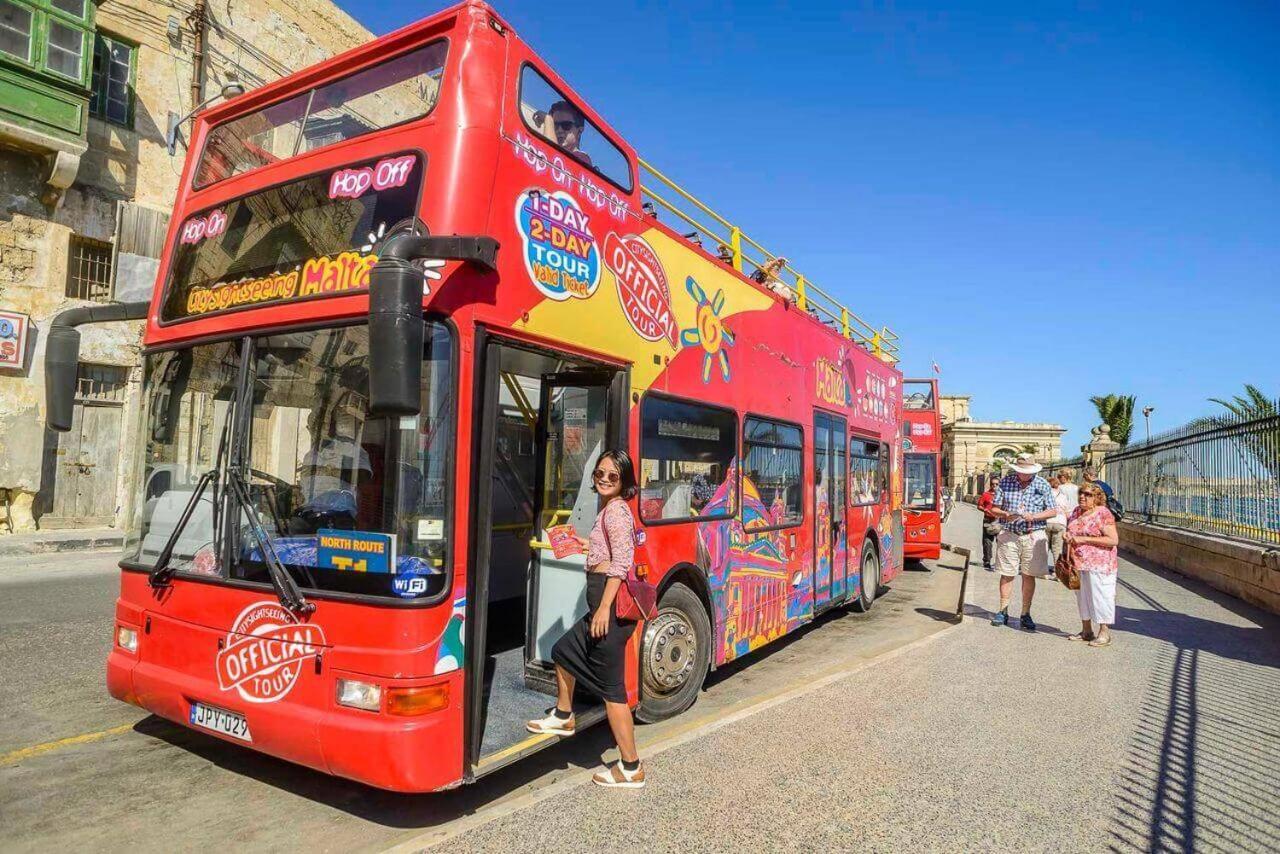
[988, 738]
[69, 540]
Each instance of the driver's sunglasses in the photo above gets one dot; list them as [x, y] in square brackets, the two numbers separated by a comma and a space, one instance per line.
[566, 126]
[605, 476]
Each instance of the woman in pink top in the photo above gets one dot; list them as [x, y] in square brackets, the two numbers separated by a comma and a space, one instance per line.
[1091, 536]
[591, 654]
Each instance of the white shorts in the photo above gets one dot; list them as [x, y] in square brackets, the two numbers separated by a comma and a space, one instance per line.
[1022, 554]
[1097, 597]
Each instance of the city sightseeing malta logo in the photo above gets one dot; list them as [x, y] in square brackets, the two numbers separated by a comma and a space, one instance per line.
[265, 652]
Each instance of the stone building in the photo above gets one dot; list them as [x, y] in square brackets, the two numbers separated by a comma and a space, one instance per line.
[972, 449]
[88, 93]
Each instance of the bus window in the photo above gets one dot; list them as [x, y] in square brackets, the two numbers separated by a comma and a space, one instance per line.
[686, 453]
[917, 395]
[562, 123]
[868, 477]
[773, 469]
[397, 90]
[921, 484]
[317, 460]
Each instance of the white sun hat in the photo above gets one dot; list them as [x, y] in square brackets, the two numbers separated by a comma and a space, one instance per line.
[1026, 464]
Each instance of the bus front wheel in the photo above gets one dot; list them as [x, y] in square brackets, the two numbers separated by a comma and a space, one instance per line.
[675, 654]
[870, 578]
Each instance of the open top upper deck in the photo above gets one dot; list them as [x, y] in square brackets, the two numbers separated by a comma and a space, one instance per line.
[297, 156]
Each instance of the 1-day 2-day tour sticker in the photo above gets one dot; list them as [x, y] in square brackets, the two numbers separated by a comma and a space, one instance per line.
[560, 251]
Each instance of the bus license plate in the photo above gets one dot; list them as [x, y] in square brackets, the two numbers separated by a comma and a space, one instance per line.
[218, 720]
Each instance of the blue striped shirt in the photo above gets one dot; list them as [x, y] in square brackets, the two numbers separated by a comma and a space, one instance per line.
[1013, 496]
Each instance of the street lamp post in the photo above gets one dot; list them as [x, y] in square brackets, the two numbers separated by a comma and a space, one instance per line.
[1146, 416]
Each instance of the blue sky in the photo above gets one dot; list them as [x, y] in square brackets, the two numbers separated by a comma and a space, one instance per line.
[1051, 200]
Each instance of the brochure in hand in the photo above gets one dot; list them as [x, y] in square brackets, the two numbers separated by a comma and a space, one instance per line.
[564, 541]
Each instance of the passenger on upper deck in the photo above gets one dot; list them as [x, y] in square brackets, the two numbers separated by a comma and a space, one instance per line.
[564, 123]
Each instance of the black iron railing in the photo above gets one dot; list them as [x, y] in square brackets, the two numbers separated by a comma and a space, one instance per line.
[1218, 475]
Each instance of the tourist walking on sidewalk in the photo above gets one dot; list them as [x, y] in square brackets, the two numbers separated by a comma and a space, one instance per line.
[990, 525]
[1023, 503]
[1091, 536]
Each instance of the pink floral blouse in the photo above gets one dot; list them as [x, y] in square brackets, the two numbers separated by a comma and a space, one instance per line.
[1091, 558]
[611, 547]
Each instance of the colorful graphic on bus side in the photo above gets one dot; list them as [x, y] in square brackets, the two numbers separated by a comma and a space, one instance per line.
[560, 252]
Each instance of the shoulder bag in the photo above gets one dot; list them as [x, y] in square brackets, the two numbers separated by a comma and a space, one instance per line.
[1065, 568]
[637, 597]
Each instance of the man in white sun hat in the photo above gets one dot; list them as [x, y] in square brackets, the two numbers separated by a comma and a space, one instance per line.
[1023, 503]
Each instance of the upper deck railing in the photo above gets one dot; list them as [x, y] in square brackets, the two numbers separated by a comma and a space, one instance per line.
[747, 256]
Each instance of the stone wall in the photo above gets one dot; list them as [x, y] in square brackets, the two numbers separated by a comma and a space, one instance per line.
[251, 42]
[1247, 571]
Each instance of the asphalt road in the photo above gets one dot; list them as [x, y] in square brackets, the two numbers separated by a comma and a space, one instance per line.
[78, 769]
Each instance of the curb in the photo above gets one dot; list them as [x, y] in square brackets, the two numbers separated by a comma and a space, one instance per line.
[52, 546]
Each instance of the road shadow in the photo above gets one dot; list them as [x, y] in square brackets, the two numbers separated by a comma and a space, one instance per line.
[1202, 769]
[940, 615]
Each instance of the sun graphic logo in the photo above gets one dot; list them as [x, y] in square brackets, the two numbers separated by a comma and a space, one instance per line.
[709, 331]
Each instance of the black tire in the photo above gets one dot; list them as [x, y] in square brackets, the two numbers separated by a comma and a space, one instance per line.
[870, 570]
[675, 655]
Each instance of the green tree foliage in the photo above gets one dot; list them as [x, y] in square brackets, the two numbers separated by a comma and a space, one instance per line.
[1116, 411]
[1263, 443]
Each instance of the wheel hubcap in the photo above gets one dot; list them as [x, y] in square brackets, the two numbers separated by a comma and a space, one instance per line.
[670, 650]
[870, 581]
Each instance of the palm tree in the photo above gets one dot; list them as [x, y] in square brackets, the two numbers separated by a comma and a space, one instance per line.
[1116, 411]
[1254, 405]
[1263, 444]
[1029, 448]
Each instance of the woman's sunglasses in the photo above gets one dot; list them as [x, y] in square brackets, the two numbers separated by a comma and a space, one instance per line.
[605, 476]
[566, 126]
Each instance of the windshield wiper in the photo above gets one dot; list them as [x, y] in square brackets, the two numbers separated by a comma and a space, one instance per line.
[228, 481]
[286, 588]
[162, 572]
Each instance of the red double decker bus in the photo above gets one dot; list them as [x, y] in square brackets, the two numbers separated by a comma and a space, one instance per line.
[922, 447]
[408, 296]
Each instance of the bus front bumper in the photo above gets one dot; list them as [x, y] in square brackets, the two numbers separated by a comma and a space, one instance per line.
[402, 754]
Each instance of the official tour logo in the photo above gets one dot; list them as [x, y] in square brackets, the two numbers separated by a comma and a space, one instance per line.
[265, 651]
[642, 287]
[560, 252]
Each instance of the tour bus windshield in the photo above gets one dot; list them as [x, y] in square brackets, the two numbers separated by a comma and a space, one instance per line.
[917, 395]
[317, 462]
[389, 93]
[921, 484]
[312, 237]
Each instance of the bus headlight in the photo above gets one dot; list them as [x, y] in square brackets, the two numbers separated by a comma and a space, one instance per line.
[359, 695]
[127, 638]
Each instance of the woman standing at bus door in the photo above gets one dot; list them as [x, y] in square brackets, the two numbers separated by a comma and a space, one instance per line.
[591, 654]
[1091, 536]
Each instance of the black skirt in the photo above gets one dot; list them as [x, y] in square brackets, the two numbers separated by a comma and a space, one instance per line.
[596, 663]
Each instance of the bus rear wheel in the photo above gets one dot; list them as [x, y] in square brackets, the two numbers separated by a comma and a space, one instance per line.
[675, 654]
[870, 578]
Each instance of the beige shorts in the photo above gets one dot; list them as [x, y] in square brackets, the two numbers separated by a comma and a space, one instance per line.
[1022, 554]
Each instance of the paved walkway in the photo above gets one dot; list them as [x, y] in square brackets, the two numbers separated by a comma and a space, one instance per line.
[983, 738]
[60, 540]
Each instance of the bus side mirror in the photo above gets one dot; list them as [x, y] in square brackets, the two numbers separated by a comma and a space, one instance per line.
[61, 364]
[395, 313]
[395, 338]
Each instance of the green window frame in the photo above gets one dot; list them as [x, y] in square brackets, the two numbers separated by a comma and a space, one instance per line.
[10, 14]
[53, 27]
[112, 57]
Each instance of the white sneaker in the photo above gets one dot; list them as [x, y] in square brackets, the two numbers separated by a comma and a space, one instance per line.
[617, 777]
[552, 725]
